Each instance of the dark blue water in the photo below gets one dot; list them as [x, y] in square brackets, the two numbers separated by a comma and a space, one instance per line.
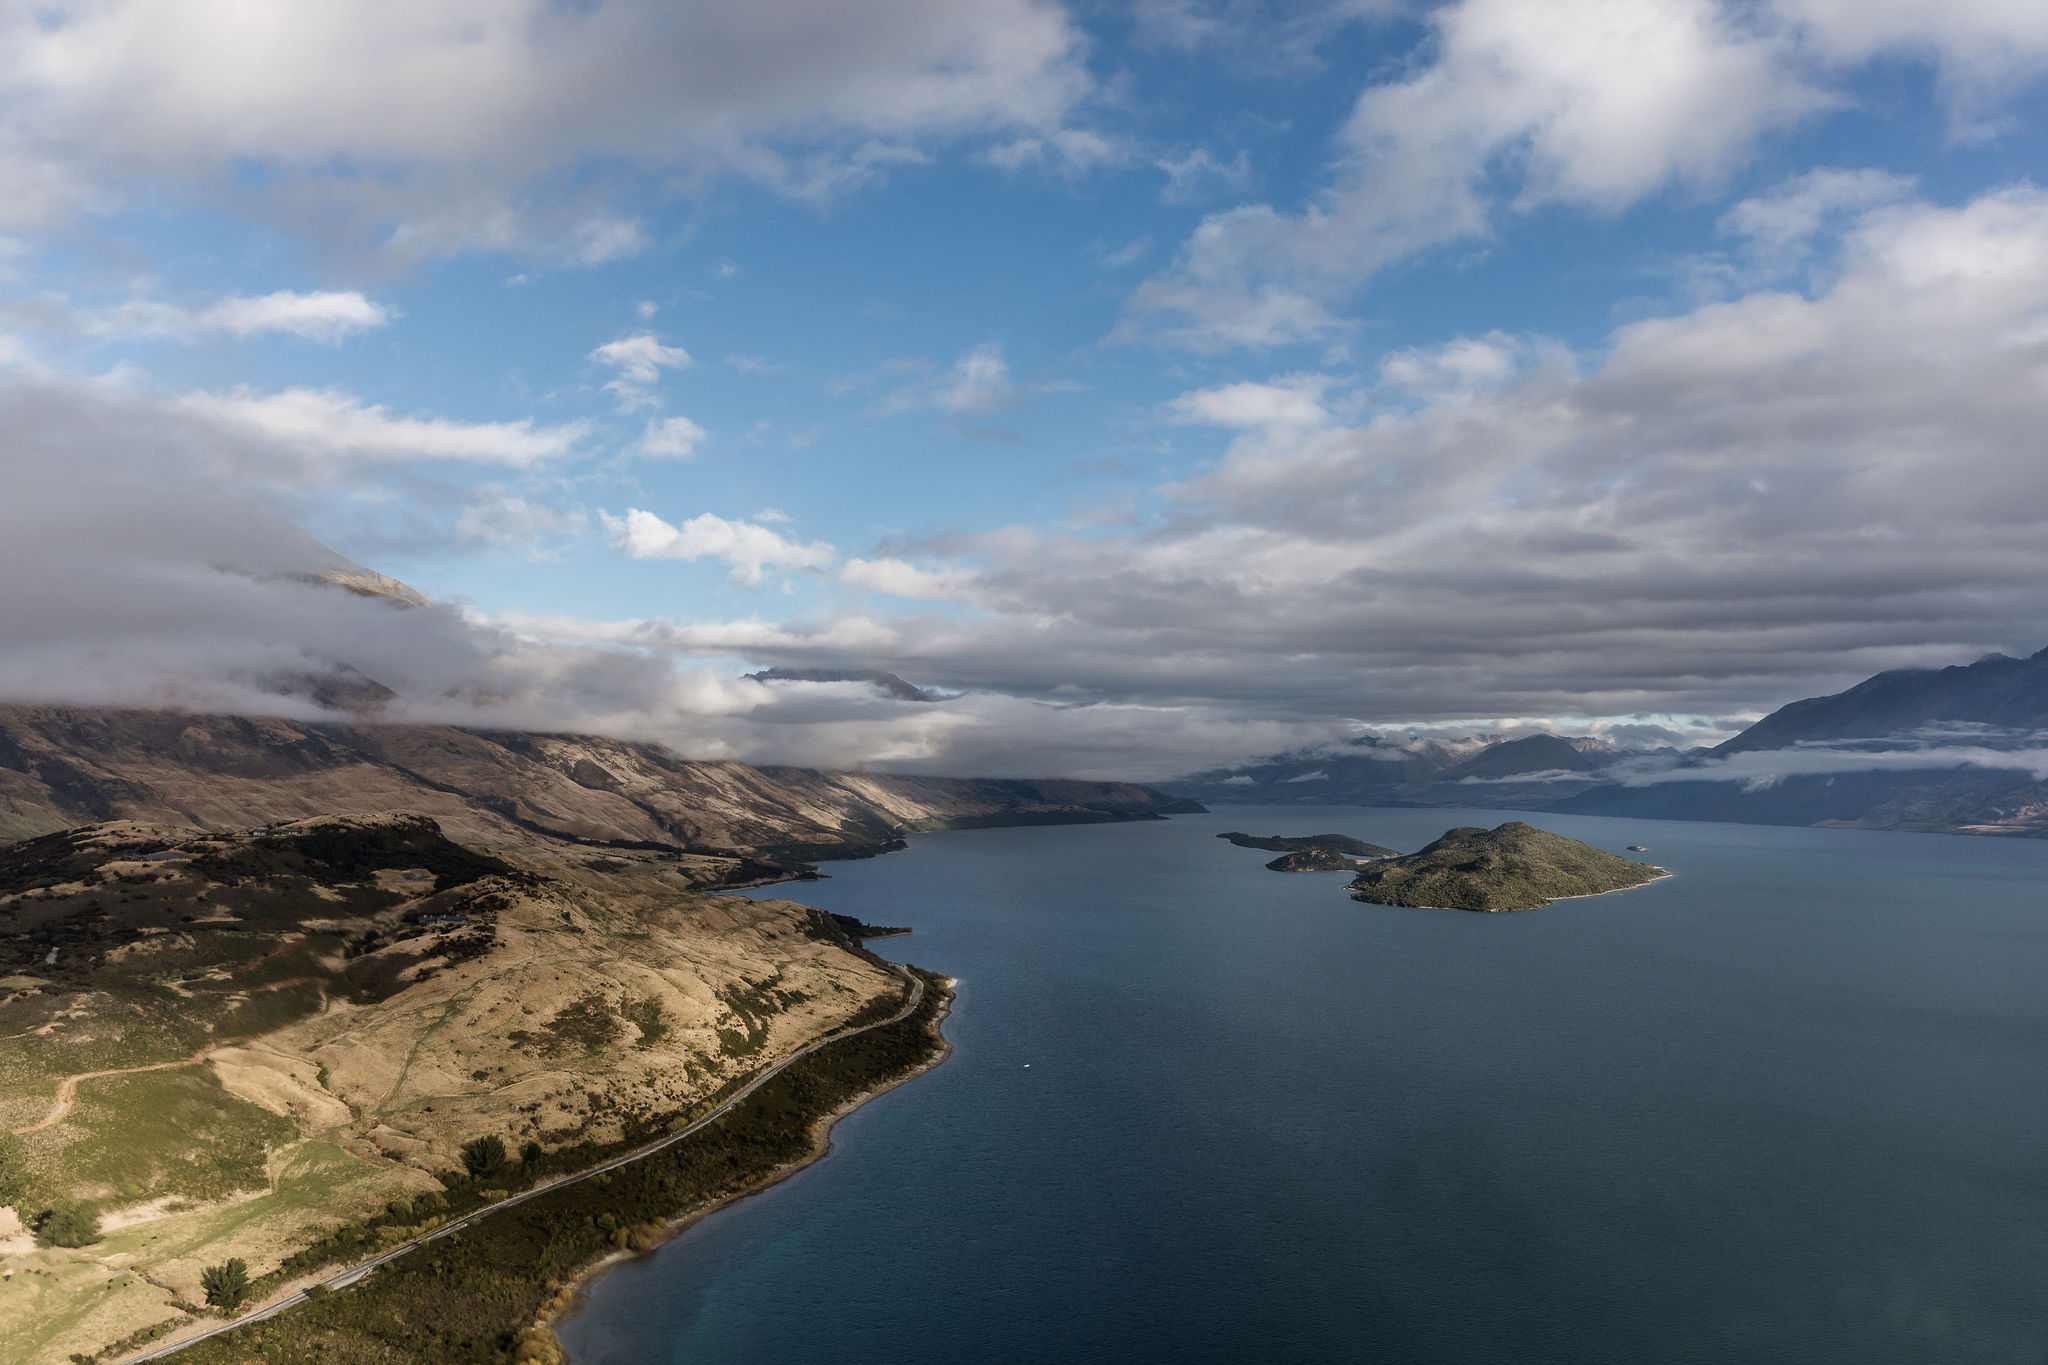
[1788, 1106]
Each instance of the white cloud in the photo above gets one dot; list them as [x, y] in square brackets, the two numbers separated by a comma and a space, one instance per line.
[749, 550]
[436, 113]
[323, 316]
[979, 382]
[1981, 45]
[327, 422]
[1781, 225]
[639, 359]
[899, 578]
[671, 438]
[1294, 402]
[1073, 151]
[597, 241]
[497, 519]
[1195, 174]
[1594, 103]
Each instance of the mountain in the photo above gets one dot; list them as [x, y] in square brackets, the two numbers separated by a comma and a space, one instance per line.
[266, 980]
[1998, 693]
[68, 766]
[1513, 867]
[1881, 755]
[1910, 749]
[1527, 773]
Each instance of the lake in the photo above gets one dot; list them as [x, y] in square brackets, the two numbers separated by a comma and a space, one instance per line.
[1785, 1106]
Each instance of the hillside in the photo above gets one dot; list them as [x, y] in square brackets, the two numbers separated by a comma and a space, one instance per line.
[233, 1042]
[61, 767]
[1997, 693]
[1884, 754]
[1513, 867]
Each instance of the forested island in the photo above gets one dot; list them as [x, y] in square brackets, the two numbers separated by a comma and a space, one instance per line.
[1513, 867]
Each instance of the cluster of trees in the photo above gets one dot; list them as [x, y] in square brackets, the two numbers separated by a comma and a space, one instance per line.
[226, 1286]
[65, 1223]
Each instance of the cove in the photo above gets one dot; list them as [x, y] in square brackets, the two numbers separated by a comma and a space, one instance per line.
[1786, 1105]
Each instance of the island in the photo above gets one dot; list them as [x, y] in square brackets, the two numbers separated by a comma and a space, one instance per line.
[1513, 867]
[1333, 843]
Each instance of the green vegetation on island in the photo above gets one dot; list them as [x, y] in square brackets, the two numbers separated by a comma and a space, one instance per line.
[1314, 860]
[1331, 843]
[1513, 867]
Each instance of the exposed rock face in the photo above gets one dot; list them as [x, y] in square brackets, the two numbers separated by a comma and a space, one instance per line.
[64, 766]
[1513, 867]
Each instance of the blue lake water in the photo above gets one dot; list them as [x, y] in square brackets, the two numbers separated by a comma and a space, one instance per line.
[1786, 1106]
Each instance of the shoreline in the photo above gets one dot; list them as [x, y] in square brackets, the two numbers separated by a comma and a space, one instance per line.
[583, 1281]
[1664, 875]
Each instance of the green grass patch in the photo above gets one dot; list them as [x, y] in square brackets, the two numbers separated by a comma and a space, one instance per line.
[163, 1133]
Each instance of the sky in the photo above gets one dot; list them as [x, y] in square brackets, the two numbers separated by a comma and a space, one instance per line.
[1166, 383]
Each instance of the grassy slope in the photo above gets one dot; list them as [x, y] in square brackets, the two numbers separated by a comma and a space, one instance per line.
[474, 1298]
[1514, 867]
[305, 939]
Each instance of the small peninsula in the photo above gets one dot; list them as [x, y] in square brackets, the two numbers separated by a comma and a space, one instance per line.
[1333, 843]
[1314, 860]
[1513, 867]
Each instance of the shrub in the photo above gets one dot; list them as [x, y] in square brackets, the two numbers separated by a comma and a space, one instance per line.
[13, 1171]
[71, 1223]
[483, 1155]
[226, 1286]
[531, 1152]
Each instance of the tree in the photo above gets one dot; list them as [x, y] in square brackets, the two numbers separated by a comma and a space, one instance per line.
[531, 1152]
[483, 1155]
[226, 1286]
[69, 1223]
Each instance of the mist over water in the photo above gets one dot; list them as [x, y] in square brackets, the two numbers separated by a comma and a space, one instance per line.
[1786, 1105]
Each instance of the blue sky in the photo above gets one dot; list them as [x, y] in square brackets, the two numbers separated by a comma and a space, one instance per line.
[1177, 381]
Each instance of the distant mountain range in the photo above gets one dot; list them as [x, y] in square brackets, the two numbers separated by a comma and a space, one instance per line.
[1950, 750]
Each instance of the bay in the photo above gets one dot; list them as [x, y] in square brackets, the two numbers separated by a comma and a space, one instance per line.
[1785, 1106]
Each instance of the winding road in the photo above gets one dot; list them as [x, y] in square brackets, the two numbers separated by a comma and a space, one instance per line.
[355, 1273]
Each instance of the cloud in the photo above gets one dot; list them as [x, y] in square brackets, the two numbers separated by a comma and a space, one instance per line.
[436, 114]
[749, 549]
[979, 382]
[1982, 47]
[1720, 509]
[1072, 151]
[1593, 104]
[639, 359]
[898, 578]
[1198, 173]
[671, 438]
[1738, 502]
[330, 423]
[322, 316]
[1293, 402]
[497, 519]
[1759, 769]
